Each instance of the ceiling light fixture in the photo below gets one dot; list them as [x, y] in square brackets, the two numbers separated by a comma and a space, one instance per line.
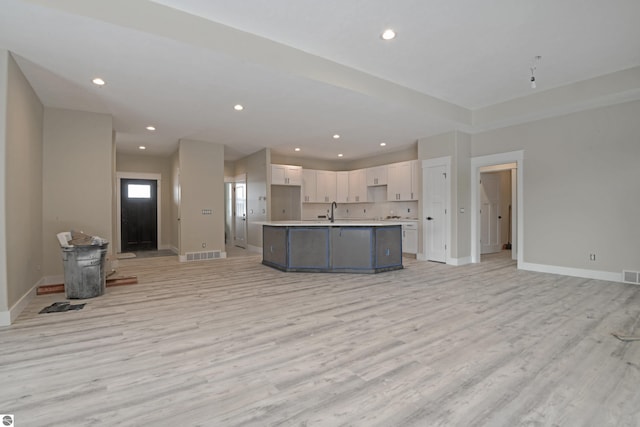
[336, 136]
[533, 69]
[151, 128]
[98, 81]
[340, 155]
[388, 34]
[142, 147]
[296, 149]
[238, 107]
[383, 144]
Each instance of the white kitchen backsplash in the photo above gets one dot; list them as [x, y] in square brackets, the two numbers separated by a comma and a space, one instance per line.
[378, 210]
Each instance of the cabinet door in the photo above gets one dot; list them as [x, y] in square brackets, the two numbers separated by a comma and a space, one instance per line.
[377, 176]
[326, 186]
[286, 175]
[342, 187]
[309, 186]
[357, 186]
[294, 175]
[410, 237]
[278, 174]
[399, 181]
[415, 180]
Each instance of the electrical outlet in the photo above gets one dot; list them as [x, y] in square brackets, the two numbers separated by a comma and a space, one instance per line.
[408, 210]
[592, 257]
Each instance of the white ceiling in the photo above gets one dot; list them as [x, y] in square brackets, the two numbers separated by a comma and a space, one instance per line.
[306, 69]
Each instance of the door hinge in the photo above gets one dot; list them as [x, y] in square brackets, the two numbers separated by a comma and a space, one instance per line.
[444, 174]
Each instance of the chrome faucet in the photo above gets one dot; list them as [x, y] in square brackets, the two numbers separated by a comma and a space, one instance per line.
[333, 205]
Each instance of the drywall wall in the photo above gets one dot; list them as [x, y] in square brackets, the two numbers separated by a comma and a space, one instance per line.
[580, 185]
[77, 179]
[23, 190]
[384, 157]
[455, 145]
[5, 317]
[201, 166]
[175, 202]
[157, 165]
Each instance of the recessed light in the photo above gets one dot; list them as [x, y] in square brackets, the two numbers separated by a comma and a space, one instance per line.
[296, 149]
[98, 81]
[151, 128]
[238, 107]
[336, 136]
[142, 147]
[340, 155]
[388, 34]
[383, 144]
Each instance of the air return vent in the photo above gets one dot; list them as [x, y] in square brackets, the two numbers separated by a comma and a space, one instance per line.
[202, 256]
[631, 277]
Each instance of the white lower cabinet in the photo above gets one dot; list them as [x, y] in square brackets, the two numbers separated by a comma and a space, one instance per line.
[410, 237]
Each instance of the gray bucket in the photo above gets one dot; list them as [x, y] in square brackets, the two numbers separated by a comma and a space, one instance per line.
[84, 269]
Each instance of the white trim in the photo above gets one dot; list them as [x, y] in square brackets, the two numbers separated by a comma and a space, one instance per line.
[8, 317]
[490, 160]
[136, 175]
[574, 272]
[446, 162]
[459, 261]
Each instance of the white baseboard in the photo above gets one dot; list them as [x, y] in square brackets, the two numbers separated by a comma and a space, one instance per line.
[7, 317]
[574, 272]
[459, 261]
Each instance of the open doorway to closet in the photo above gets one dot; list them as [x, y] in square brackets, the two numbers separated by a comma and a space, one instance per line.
[497, 205]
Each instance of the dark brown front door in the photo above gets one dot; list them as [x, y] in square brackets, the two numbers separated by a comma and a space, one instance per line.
[139, 227]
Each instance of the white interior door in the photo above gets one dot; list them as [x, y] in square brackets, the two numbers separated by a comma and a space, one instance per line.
[489, 213]
[240, 212]
[435, 211]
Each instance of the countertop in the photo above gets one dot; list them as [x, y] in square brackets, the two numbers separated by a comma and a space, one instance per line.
[327, 223]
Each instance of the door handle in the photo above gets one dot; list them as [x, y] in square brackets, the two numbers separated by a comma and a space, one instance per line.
[429, 218]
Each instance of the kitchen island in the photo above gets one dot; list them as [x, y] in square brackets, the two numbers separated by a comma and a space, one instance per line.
[341, 246]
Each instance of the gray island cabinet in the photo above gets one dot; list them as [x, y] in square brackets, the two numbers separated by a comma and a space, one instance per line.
[342, 247]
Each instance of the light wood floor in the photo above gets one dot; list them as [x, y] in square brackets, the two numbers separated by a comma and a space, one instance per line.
[231, 342]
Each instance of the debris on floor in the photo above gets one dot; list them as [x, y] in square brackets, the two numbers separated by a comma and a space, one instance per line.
[57, 307]
[624, 337]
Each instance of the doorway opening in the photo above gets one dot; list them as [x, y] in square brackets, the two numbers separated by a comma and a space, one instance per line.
[235, 228]
[497, 205]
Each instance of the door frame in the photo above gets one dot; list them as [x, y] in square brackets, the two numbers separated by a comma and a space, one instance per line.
[438, 161]
[135, 175]
[479, 162]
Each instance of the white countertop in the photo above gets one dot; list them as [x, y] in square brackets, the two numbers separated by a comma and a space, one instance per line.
[327, 223]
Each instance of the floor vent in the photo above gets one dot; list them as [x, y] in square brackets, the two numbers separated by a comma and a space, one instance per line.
[631, 277]
[202, 256]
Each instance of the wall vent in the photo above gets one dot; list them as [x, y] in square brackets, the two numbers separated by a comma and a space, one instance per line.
[202, 256]
[631, 277]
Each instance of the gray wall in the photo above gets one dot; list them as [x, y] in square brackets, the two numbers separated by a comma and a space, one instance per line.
[201, 181]
[77, 174]
[581, 186]
[21, 114]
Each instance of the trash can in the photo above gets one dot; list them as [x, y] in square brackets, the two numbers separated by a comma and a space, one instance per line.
[84, 258]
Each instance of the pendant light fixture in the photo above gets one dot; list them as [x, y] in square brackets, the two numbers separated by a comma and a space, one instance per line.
[533, 69]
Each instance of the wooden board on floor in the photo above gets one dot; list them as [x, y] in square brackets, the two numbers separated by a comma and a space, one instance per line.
[59, 287]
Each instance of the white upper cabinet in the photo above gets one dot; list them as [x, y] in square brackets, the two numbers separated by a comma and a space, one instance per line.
[377, 175]
[402, 181]
[286, 175]
[358, 186]
[342, 187]
[309, 191]
[325, 186]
